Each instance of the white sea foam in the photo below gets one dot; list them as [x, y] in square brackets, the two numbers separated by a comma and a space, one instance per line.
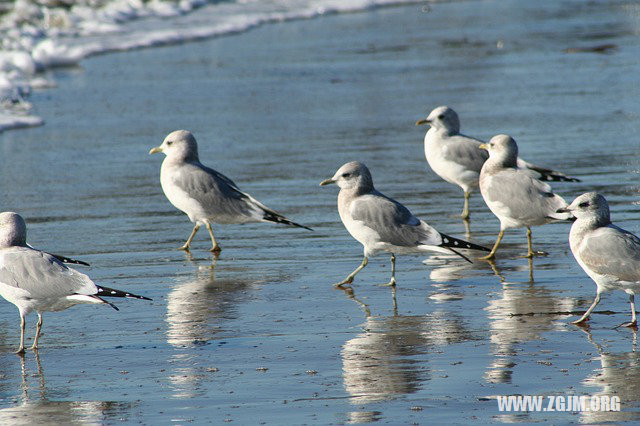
[36, 37]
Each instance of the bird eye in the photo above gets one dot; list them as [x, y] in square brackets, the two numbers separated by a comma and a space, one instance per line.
[584, 204]
[441, 117]
[169, 142]
[346, 175]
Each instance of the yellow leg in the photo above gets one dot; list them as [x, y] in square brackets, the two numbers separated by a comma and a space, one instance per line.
[215, 248]
[633, 323]
[586, 314]
[38, 328]
[492, 254]
[349, 279]
[530, 252]
[465, 210]
[188, 243]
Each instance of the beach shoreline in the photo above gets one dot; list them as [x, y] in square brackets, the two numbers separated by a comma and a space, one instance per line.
[33, 45]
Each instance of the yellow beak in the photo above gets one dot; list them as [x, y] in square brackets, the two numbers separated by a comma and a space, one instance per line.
[155, 150]
[484, 146]
[327, 182]
[423, 121]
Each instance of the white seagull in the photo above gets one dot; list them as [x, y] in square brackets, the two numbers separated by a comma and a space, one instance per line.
[458, 159]
[203, 194]
[37, 281]
[517, 199]
[380, 223]
[609, 254]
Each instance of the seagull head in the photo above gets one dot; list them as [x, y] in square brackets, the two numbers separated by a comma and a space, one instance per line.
[503, 149]
[352, 175]
[13, 230]
[442, 117]
[590, 206]
[178, 145]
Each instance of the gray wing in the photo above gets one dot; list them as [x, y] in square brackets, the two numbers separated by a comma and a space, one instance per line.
[215, 192]
[464, 150]
[392, 221]
[524, 197]
[41, 274]
[613, 251]
[221, 199]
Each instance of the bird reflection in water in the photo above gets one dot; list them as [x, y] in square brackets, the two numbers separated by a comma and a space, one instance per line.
[196, 310]
[521, 312]
[350, 293]
[445, 270]
[35, 407]
[195, 305]
[382, 362]
[619, 374]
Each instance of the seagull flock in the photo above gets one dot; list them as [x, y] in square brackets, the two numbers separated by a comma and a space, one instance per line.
[515, 191]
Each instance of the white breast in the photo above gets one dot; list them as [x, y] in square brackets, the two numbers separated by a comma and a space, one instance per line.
[450, 171]
[181, 199]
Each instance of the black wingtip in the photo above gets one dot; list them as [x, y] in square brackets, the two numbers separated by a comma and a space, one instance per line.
[288, 222]
[65, 259]
[558, 178]
[549, 175]
[451, 242]
[106, 301]
[273, 217]
[110, 292]
[460, 254]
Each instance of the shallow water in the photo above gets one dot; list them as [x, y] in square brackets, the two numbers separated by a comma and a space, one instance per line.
[36, 37]
[260, 335]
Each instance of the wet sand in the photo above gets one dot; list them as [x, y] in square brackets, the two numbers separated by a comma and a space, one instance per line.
[260, 335]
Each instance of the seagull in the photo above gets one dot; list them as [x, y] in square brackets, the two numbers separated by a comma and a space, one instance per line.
[203, 194]
[458, 159]
[380, 223]
[34, 280]
[517, 199]
[609, 254]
